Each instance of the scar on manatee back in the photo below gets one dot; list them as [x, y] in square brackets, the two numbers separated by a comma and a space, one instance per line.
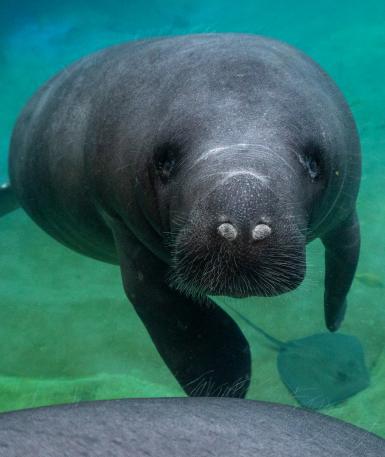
[320, 370]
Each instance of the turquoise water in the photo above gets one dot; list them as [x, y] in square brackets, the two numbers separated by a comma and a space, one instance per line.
[67, 330]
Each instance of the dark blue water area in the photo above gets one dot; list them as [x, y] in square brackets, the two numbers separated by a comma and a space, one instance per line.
[68, 332]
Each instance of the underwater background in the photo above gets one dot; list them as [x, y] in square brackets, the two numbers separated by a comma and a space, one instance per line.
[68, 332]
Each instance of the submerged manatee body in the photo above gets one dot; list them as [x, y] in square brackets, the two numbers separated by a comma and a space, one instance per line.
[174, 427]
[202, 165]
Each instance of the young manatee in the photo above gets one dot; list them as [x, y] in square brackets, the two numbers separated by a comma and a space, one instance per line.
[202, 165]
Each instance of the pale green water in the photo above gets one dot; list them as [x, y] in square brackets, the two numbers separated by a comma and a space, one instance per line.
[67, 330]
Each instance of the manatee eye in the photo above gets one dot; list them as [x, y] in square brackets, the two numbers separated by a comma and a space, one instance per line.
[165, 159]
[312, 161]
[313, 167]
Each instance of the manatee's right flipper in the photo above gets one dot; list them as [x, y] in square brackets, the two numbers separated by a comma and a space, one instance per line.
[8, 201]
[201, 345]
[342, 248]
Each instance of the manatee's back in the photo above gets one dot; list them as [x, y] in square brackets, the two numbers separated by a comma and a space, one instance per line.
[175, 427]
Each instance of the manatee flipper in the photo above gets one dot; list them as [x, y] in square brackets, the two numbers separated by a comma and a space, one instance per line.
[8, 201]
[342, 247]
[201, 345]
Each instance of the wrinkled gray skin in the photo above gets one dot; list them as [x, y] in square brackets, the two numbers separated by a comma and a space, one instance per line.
[201, 165]
[176, 427]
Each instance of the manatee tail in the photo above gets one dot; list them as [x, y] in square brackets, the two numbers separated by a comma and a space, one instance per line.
[8, 200]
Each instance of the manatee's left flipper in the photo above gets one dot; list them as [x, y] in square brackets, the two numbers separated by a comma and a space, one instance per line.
[342, 247]
[200, 343]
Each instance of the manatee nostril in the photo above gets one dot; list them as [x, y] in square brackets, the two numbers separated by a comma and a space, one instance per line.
[260, 232]
[228, 231]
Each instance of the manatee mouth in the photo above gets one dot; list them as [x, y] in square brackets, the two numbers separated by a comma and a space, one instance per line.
[229, 269]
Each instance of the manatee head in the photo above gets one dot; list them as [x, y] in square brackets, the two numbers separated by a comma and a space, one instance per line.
[235, 218]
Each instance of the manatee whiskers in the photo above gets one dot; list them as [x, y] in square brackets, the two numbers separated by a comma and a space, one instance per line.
[197, 285]
[206, 387]
[197, 268]
[199, 271]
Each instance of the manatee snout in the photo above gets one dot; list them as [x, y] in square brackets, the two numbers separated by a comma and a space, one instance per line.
[238, 241]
